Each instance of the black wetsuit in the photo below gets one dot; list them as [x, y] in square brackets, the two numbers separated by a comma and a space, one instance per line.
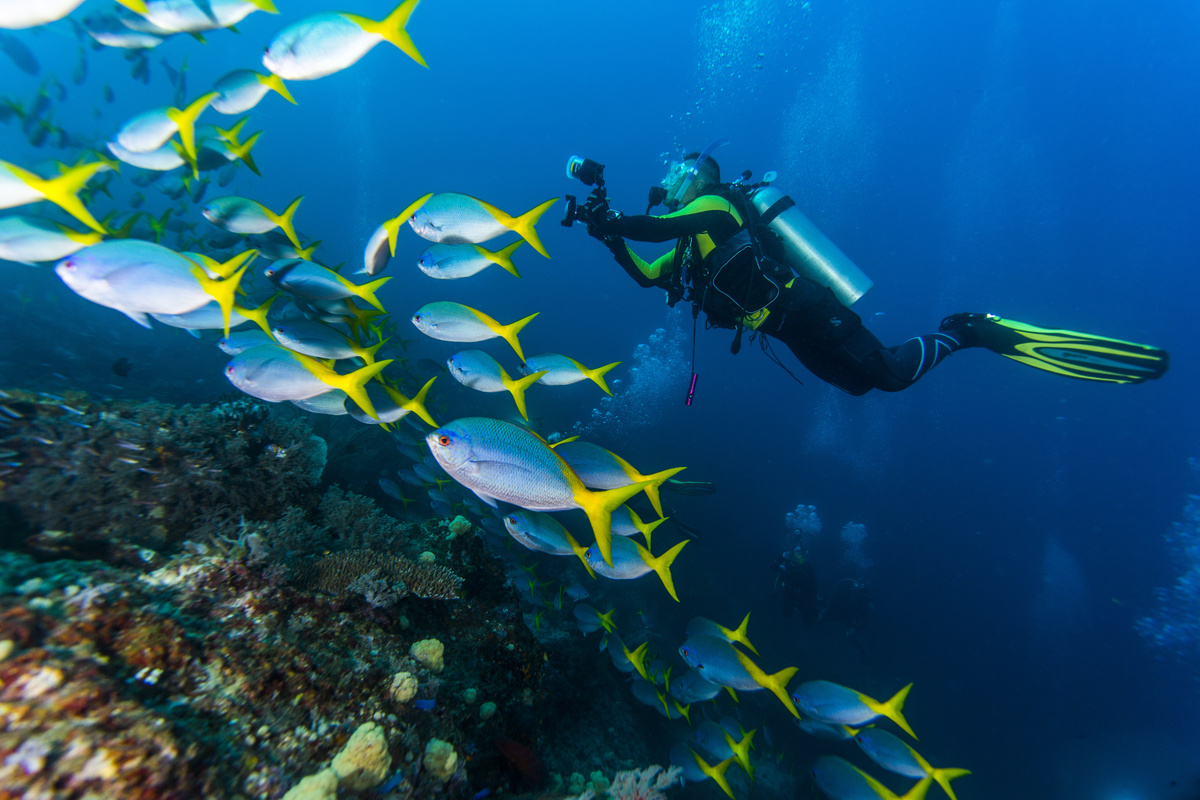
[828, 338]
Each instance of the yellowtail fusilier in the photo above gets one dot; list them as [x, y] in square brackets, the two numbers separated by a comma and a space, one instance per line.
[152, 129]
[454, 261]
[500, 460]
[196, 16]
[701, 626]
[893, 754]
[28, 240]
[721, 743]
[391, 405]
[454, 218]
[382, 244]
[274, 373]
[18, 15]
[602, 469]
[240, 215]
[20, 187]
[243, 89]
[313, 283]
[838, 779]
[696, 769]
[314, 338]
[590, 620]
[721, 663]
[691, 687]
[454, 322]
[631, 561]
[542, 533]
[326, 43]
[477, 370]
[208, 317]
[331, 404]
[139, 278]
[160, 159]
[831, 702]
[561, 370]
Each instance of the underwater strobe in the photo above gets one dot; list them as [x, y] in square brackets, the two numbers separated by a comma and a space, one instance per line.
[589, 173]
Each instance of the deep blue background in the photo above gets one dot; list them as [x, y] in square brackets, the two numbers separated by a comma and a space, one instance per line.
[1036, 160]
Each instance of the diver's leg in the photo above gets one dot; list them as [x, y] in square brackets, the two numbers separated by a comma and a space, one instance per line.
[899, 367]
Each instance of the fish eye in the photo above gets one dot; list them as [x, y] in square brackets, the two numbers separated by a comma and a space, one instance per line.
[444, 440]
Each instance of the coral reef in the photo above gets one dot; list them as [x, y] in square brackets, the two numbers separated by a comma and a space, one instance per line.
[344, 572]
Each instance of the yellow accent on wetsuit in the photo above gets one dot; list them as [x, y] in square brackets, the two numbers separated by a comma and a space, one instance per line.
[704, 244]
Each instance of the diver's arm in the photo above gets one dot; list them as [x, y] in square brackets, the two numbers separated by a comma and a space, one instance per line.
[709, 214]
[647, 274]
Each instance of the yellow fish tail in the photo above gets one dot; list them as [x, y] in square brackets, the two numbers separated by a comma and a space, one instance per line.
[367, 354]
[656, 480]
[242, 151]
[223, 291]
[581, 551]
[231, 134]
[415, 405]
[740, 635]
[392, 29]
[284, 220]
[517, 388]
[596, 375]
[646, 528]
[523, 225]
[136, 6]
[606, 619]
[777, 683]
[276, 84]
[353, 384]
[638, 659]
[717, 772]
[917, 792]
[741, 751]
[185, 120]
[258, 315]
[662, 565]
[509, 332]
[599, 507]
[392, 226]
[892, 709]
[503, 257]
[64, 190]
[945, 775]
[227, 268]
[264, 5]
[367, 290]
[684, 711]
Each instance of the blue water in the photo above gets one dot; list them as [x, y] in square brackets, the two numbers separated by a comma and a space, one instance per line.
[1030, 159]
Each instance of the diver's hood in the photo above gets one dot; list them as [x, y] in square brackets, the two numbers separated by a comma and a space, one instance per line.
[681, 174]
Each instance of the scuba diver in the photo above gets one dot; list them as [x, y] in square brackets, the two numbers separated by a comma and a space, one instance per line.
[796, 585]
[747, 256]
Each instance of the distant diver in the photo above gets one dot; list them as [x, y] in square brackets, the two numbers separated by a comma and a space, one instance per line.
[747, 257]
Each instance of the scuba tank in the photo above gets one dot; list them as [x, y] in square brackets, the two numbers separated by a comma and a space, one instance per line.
[810, 252]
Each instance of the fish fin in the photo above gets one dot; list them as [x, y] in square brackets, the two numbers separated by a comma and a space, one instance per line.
[353, 384]
[662, 564]
[741, 751]
[596, 375]
[740, 635]
[892, 709]
[223, 291]
[564, 441]
[638, 659]
[653, 483]
[227, 268]
[716, 772]
[259, 315]
[391, 28]
[491, 501]
[517, 388]
[646, 528]
[417, 404]
[918, 791]
[230, 135]
[264, 5]
[136, 6]
[276, 84]
[599, 507]
[367, 354]
[392, 226]
[581, 551]
[606, 619]
[64, 190]
[503, 257]
[242, 151]
[523, 225]
[509, 333]
[284, 220]
[366, 291]
[946, 774]
[185, 120]
[137, 316]
[776, 683]
[684, 711]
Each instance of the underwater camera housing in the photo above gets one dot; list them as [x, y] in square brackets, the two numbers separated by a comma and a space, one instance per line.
[590, 173]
